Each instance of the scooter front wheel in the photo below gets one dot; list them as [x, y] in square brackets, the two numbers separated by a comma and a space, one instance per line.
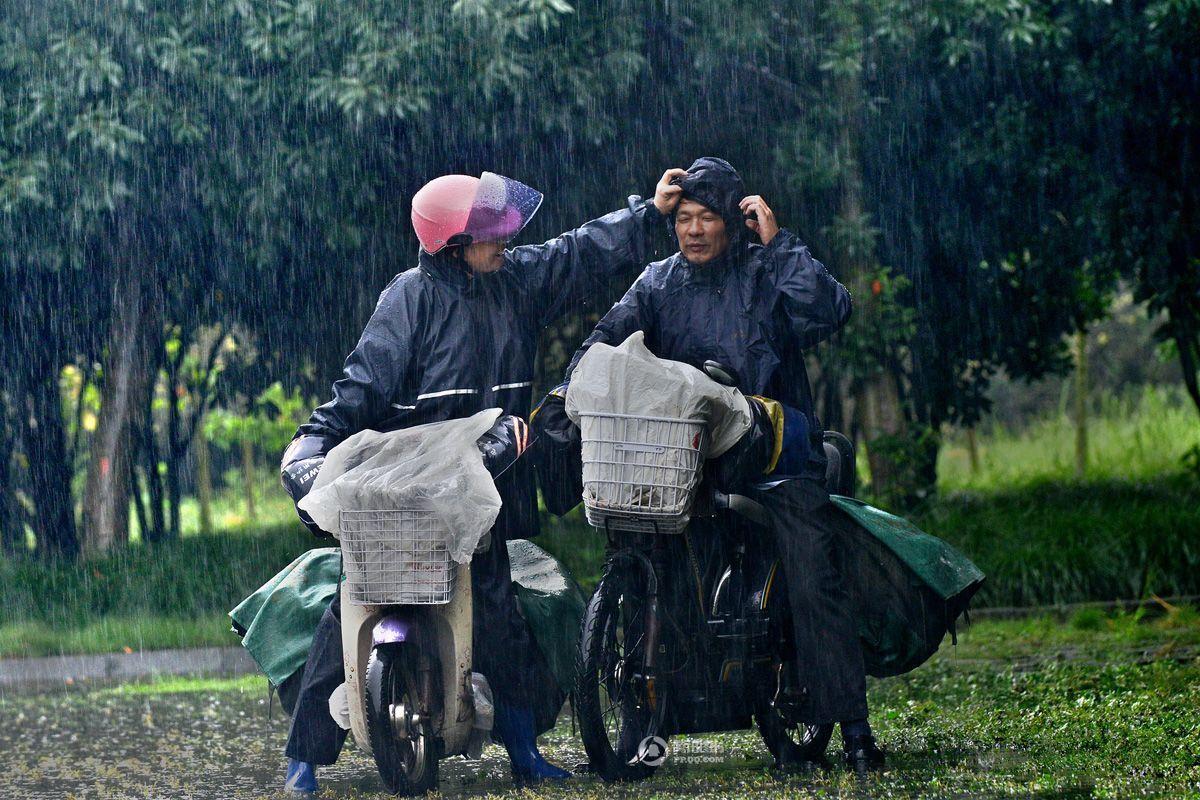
[401, 739]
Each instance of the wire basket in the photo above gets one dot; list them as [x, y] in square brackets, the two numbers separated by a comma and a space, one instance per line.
[640, 473]
[396, 557]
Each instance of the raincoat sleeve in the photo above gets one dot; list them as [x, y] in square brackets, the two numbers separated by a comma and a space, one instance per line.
[629, 314]
[816, 306]
[569, 269]
[372, 376]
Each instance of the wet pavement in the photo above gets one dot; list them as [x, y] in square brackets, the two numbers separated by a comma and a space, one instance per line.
[220, 744]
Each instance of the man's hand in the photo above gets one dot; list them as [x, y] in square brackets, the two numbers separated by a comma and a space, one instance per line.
[666, 194]
[763, 222]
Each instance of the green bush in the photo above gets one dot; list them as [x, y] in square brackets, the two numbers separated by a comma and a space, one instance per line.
[1088, 619]
[1063, 543]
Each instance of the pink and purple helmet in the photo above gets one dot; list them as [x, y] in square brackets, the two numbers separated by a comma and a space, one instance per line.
[490, 208]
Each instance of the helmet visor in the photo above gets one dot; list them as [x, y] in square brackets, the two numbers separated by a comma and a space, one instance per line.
[501, 209]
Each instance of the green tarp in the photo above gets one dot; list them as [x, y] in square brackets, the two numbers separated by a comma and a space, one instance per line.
[553, 605]
[279, 619]
[941, 567]
[907, 588]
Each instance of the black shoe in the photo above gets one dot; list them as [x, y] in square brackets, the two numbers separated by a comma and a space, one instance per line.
[861, 754]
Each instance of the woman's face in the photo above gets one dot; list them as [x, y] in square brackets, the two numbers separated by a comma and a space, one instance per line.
[484, 256]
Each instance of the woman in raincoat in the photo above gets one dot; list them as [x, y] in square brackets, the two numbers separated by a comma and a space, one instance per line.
[452, 336]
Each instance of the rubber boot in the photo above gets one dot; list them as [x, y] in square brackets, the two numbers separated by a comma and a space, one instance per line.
[514, 726]
[301, 777]
[861, 754]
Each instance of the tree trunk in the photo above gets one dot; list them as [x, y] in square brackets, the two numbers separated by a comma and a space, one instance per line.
[883, 422]
[12, 534]
[1081, 408]
[1189, 363]
[204, 490]
[248, 478]
[139, 504]
[973, 450]
[128, 370]
[175, 453]
[154, 486]
[879, 397]
[49, 472]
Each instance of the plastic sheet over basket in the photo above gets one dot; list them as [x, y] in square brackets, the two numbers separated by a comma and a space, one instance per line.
[640, 473]
[435, 468]
[397, 557]
[629, 379]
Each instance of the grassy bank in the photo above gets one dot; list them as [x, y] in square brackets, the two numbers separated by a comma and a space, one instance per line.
[1047, 543]
[1041, 544]
[171, 594]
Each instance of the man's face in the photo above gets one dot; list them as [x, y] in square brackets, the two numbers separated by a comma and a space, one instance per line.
[484, 256]
[701, 232]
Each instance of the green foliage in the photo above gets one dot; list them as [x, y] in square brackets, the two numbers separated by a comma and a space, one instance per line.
[996, 165]
[270, 423]
[1088, 619]
[1191, 460]
[908, 454]
[113, 634]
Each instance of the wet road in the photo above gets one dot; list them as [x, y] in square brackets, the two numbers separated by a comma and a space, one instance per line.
[218, 744]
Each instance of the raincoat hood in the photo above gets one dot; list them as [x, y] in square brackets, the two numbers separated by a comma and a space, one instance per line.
[715, 184]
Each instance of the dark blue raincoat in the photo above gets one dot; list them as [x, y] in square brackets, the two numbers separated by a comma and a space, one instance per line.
[756, 309]
[445, 343]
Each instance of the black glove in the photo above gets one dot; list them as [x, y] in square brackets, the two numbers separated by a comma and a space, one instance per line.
[503, 444]
[746, 461]
[559, 453]
[301, 462]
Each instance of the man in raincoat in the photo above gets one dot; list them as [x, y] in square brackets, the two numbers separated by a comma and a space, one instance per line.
[450, 337]
[743, 292]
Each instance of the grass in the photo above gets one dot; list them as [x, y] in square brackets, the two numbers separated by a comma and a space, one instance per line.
[1044, 543]
[115, 633]
[1134, 439]
[1106, 706]
[1061, 543]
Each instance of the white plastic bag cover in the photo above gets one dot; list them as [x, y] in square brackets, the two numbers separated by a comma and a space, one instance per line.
[435, 466]
[629, 379]
[485, 716]
[339, 707]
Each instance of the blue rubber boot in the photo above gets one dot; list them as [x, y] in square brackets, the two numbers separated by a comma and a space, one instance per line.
[301, 777]
[514, 726]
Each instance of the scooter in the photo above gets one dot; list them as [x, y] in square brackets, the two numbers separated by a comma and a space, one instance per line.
[407, 623]
[408, 679]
